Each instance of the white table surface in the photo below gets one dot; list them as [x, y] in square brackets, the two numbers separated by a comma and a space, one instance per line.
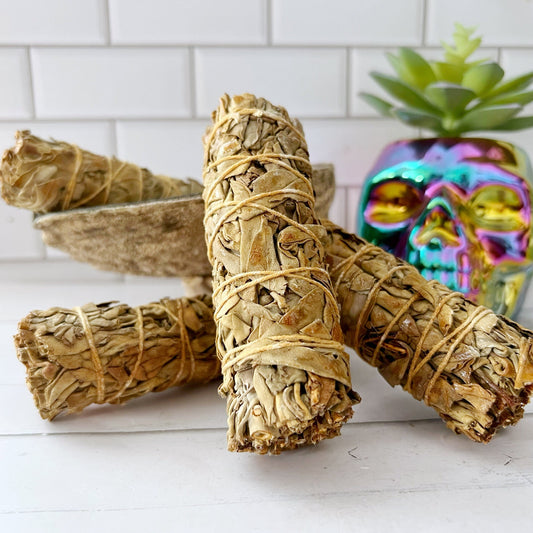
[160, 462]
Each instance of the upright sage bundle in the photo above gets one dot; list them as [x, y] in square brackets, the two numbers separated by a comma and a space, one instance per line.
[285, 373]
[112, 353]
[45, 176]
[475, 368]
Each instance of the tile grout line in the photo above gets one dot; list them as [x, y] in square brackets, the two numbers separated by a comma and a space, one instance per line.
[192, 83]
[269, 22]
[32, 87]
[107, 22]
[239, 46]
[198, 118]
[114, 137]
[348, 81]
[424, 21]
[114, 151]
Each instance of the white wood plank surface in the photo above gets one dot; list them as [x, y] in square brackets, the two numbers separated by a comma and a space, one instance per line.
[160, 462]
[190, 474]
[437, 511]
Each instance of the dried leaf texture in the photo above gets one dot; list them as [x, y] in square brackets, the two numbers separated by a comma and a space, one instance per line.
[475, 368]
[483, 387]
[112, 353]
[285, 372]
[46, 176]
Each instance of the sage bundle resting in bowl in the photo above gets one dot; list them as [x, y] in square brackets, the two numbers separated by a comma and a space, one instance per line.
[45, 176]
[129, 236]
[285, 373]
[38, 175]
[408, 328]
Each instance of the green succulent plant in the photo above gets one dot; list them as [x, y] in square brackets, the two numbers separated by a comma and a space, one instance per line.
[453, 96]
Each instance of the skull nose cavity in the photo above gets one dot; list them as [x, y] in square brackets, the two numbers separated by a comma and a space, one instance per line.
[438, 230]
[435, 244]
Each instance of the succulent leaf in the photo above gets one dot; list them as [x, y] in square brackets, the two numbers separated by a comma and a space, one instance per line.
[403, 72]
[403, 92]
[513, 85]
[454, 95]
[395, 64]
[487, 118]
[449, 97]
[451, 56]
[418, 119]
[464, 45]
[418, 69]
[448, 72]
[381, 106]
[512, 98]
[515, 124]
[482, 77]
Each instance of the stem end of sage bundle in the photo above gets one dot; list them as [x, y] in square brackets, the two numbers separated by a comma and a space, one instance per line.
[112, 353]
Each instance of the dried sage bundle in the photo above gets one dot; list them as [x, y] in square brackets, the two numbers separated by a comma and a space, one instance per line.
[285, 372]
[46, 176]
[483, 386]
[112, 353]
[475, 368]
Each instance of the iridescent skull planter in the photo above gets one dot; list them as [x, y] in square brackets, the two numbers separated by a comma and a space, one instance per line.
[459, 209]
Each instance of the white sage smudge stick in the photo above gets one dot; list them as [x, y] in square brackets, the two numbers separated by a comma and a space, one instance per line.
[484, 386]
[474, 367]
[285, 372]
[112, 353]
[45, 176]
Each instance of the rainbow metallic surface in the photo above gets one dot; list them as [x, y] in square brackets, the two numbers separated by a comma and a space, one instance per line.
[457, 209]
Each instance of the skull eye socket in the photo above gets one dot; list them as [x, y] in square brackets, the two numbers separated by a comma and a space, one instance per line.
[392, 202]
[497, 207]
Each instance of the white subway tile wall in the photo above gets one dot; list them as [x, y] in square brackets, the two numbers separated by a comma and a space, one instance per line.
[15, 89]
[111, 82]
[188, 22]
[310, 81]
[64, 22]
[169, 147]
[341, 22]
[140, 79]
[503, 23]
[351, 144]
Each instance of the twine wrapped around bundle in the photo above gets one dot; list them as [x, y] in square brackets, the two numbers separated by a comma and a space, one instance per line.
[475, 368]
[112, 353]
[45, 176]
[285, 372]
[483, 386]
